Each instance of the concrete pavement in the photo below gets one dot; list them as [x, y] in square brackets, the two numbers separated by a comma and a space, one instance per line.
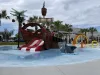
[88, 68]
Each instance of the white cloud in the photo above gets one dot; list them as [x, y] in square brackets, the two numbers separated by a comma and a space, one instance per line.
[76, 12]
[83, 11]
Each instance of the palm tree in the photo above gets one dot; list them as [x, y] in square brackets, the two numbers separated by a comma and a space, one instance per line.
[62, 27]
[92, 30]
[3, 15]
[84, 30]
[33, 19]
[20, 17]
[69, 29]
[81, 31]
[30, 20]
[57, 24]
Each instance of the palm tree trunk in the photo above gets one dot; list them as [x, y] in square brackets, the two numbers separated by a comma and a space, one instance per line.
[0, 21]
[92, 36]
[69, 37]
[85, 33]
[66, 39]
[18, 35]
[58, 32]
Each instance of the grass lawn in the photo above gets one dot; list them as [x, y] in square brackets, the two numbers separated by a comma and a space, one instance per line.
[11, 43]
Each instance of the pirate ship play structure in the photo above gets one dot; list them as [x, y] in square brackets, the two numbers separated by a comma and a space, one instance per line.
[40, 39]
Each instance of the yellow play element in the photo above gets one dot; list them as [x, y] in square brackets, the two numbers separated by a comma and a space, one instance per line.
[76, 38]
[95, 43]
[82, 45]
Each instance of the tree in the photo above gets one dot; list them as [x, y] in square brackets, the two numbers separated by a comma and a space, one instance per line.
[57, 25]
[81, 31]
[20, 17]
[69, 29]
[30, 20]
[84, 30]
[62, 27]
[33, 19]
[3, 15]
[92, 30]
[16, 36]
[7, 34]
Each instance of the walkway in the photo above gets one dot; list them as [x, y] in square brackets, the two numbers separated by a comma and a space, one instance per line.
[89, 68]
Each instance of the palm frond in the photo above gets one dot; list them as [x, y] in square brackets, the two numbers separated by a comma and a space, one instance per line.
[0, 22]
[19, 15]
[14, 11]
[13, 14]
[3, 13]
[7, 17]
[0, 16]
[23, 11]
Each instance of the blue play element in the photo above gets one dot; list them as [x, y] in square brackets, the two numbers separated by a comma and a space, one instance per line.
[67, 49]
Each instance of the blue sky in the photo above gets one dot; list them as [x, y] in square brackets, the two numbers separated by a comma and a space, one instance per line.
[98, 28]
[79, 13]
[9, 27]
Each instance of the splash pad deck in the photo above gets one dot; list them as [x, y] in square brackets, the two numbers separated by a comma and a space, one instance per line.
[10, 56]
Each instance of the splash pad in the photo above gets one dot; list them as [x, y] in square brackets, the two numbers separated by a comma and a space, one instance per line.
[15, 58]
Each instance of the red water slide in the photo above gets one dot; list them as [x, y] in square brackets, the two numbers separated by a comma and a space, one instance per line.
[33, 46]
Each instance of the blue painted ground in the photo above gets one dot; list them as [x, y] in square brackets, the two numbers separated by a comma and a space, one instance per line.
[11, 57]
